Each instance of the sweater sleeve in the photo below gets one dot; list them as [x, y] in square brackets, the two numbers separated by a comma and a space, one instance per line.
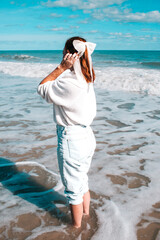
[60, 91]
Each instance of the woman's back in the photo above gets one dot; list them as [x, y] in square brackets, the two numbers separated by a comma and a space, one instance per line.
[74, 99]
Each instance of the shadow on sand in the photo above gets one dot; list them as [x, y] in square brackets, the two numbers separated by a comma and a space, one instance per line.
[24, 185]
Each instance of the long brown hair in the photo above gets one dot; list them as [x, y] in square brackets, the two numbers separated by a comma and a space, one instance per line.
[84, 61]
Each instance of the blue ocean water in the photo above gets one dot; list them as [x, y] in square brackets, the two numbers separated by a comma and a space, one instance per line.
[150, 59]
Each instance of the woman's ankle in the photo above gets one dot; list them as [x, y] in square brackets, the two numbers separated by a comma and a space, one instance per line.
[76, 226]
[85, 213]
[86, 203]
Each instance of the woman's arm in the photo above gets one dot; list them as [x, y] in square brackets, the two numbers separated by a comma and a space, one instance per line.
[66, 63]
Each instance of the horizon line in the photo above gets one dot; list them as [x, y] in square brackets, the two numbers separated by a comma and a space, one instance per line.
[94, 50]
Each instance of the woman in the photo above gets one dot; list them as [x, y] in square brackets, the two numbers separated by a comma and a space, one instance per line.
[70, 88]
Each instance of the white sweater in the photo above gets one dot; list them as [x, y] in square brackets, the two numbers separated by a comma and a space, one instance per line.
[73, 100]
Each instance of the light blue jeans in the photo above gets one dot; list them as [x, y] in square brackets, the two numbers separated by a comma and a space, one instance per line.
[75, 149]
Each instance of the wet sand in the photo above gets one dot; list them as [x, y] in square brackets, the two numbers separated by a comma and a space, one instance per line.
[24, 225]
[57, 219]
[31, 209]
[53, 212]
[149, 226]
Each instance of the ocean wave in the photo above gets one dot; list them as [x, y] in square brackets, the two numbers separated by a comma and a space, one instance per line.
[151, 64]
[18, 57]
[21, 69]
[111, 78]
[129, 79]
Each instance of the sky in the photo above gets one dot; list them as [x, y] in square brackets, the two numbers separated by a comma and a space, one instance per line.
[111, 24]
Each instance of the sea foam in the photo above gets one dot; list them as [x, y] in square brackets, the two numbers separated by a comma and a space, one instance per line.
[112, 78]
[129, 79]
[30, 70]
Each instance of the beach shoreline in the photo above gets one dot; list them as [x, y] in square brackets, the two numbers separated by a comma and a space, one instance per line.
[55, 222]
[123, 177]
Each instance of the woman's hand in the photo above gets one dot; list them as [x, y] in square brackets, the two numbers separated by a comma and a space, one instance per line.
[66, 63]
[69, 60]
